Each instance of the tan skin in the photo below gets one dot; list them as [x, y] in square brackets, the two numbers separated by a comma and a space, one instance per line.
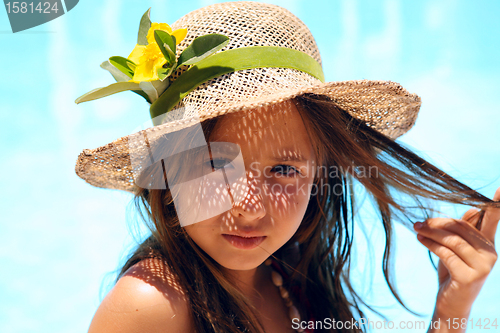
[148, 299]
[467, 256]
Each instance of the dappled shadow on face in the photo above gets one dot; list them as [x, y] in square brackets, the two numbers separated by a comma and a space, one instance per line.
[261, 177]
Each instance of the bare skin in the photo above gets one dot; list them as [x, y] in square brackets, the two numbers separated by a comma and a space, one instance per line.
[145, 299]
[467, 256]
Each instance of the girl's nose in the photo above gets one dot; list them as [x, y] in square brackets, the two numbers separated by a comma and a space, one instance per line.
[251, 206]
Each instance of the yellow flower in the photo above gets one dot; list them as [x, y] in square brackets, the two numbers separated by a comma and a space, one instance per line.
[149, 58]
[136, 53]
[179, 34]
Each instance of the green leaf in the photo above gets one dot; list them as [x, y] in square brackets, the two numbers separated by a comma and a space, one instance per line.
[163, 73]
[154, 88]
[144, 28]
[117, 74]
[166, 42]
[125, 65]
[202, 47]
[143, 94]
[132, 65]
[106, 91]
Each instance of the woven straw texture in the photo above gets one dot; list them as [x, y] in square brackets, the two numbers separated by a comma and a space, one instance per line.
[383, 105]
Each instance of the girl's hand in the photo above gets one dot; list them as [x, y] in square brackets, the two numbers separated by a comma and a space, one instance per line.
[467, 256]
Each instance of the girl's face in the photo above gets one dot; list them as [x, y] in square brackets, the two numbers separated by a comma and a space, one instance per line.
[279, 168]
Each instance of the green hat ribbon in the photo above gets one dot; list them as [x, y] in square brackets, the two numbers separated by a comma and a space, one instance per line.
[231, 61]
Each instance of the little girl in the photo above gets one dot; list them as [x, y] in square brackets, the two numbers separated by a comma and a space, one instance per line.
[248, 179]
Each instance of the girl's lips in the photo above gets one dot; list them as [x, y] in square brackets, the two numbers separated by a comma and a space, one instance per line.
[245, 243]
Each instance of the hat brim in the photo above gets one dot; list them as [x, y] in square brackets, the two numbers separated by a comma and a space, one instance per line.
[384, 105]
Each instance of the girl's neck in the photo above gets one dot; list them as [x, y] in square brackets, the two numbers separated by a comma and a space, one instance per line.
[250, 282]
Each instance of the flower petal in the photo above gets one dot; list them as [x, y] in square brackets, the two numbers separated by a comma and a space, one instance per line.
[157, 26]
[147, 71]
[144, 72]
[179, 35]
[136, 53]
[159, 62]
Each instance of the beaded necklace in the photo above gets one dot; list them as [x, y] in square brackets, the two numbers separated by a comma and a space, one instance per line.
[293, 313]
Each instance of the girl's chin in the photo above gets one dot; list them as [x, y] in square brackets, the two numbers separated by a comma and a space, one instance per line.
[240, 267]
[243, 264]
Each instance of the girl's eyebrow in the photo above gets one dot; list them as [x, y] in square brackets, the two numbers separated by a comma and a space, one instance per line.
[296, 157]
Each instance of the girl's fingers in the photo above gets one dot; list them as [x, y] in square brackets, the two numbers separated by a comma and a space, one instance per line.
[461, 229]
[464, 246]
[463, 265]
[449, 259]
[472, 216]
[490, 220]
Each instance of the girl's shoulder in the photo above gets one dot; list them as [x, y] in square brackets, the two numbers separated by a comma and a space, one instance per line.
[146, 298]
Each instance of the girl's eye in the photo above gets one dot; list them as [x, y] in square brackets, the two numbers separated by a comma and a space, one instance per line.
[218, 162]
[286, 170]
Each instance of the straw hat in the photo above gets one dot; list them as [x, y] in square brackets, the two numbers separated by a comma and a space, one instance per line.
[383, 105]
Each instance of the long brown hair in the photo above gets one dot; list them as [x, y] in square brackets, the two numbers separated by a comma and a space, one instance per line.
[318, 256]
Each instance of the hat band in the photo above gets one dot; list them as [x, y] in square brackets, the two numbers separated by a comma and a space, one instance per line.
[231, 61]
